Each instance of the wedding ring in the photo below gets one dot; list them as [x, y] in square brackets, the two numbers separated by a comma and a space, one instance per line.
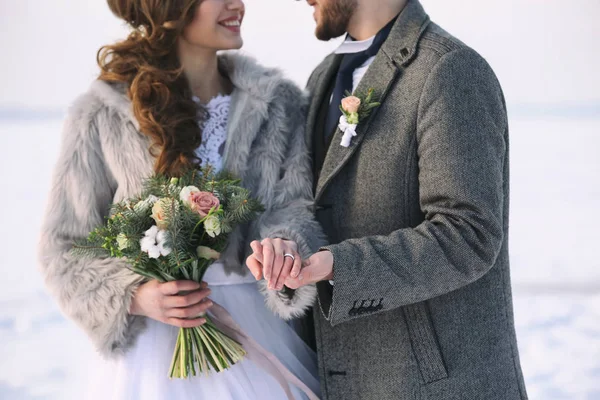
[290, 256]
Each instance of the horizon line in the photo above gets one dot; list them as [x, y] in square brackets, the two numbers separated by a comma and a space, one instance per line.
[587, 110]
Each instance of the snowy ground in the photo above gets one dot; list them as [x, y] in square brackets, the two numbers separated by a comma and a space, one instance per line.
[556, 272]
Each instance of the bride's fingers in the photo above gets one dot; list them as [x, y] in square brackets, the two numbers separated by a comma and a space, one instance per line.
[174, 287]
[254, 260]
[185, 301]
[297, 266]
[278, 262]
[268, 252]
[285, 272]
[190, 312]
[185, 323]
[257, 248]
[254, 266]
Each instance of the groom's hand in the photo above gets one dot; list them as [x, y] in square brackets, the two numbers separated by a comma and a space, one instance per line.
[319, 267]
[268, 260]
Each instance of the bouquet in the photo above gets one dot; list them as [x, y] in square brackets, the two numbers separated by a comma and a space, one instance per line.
[174, 230]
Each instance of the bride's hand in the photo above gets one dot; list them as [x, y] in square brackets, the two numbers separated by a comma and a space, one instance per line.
[163, 302]
[268, 261]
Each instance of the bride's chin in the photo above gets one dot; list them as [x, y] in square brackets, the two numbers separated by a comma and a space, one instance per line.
[233, 45]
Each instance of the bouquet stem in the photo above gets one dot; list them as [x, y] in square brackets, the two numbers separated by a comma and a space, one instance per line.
[200, 349]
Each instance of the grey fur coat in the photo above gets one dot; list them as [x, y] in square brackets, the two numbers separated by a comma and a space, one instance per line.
[104, 158]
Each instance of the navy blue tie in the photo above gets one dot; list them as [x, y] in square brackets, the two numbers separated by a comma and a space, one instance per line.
[344, 82]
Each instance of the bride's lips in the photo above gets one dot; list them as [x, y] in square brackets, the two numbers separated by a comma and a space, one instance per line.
[233, 24]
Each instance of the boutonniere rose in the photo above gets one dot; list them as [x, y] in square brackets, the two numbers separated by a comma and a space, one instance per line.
[354, 110]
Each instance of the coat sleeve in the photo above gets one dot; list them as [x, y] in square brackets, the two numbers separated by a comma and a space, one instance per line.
[290, 215]
[462, 149]
[95, 293]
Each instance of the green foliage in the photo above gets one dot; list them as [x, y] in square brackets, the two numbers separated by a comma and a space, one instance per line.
[184, 230]
[368, 102]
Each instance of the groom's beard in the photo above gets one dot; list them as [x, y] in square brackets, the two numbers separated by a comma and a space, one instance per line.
[335, 16]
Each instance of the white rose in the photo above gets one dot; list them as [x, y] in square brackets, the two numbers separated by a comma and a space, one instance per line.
[212, 226]
[186, 192]
[122, 241]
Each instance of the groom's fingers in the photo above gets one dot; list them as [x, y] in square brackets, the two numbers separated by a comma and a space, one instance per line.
[309, 273]
[293, 283]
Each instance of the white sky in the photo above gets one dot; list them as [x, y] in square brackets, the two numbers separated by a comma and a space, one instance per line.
[544, 51]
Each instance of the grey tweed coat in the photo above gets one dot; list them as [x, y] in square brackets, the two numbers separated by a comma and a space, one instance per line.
[416, 211]
[104, 158]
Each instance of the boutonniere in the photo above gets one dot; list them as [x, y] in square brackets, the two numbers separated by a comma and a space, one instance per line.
[354, 110]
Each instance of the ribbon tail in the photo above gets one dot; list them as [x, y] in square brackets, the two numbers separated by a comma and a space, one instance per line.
[347, 138]
[257, 354]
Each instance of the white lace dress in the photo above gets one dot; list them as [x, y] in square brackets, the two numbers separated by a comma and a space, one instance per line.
[142, 373]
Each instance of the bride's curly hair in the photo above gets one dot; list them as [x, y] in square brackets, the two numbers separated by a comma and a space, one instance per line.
[147, 63]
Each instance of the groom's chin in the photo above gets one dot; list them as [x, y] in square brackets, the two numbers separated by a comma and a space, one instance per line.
[325, 33]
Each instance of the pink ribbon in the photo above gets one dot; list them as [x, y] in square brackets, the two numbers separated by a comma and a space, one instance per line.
[257, 354]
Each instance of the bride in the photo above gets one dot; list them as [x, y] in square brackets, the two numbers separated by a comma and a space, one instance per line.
[164, 102]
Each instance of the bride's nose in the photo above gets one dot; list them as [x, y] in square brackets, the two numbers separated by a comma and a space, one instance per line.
[233, 5]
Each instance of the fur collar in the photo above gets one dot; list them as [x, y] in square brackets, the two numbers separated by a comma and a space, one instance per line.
[256, 89]
[255, 81]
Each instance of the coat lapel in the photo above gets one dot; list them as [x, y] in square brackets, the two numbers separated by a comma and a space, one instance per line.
[379, 76]
[397, 51]
[330, 68]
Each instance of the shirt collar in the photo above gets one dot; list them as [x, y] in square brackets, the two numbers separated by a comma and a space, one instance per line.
[354, 46]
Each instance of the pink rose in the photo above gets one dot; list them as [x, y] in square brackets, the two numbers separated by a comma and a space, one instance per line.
[351, 104]
[203, 202]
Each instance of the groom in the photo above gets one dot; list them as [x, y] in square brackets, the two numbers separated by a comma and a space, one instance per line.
[414, 290]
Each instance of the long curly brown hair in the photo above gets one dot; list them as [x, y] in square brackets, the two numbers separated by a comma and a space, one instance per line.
[147, 63]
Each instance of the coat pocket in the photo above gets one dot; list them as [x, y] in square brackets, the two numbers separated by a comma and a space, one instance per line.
[424, 342]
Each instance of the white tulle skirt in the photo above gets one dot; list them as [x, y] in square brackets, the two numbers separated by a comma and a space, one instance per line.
[143, 372]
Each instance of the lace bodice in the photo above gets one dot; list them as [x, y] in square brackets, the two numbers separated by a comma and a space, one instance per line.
[214, 131]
